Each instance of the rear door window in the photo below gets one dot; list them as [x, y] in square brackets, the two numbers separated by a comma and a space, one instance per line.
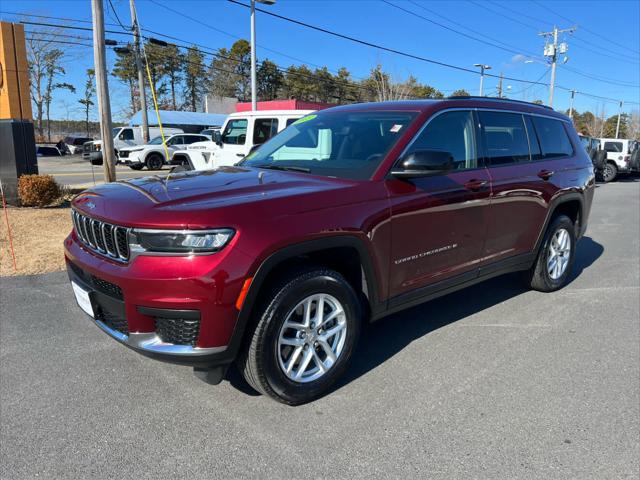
[235, 132]
[264, 129]
[553, 137]
[505, 138]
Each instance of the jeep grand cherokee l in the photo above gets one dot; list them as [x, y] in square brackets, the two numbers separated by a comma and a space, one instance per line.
[348, 215]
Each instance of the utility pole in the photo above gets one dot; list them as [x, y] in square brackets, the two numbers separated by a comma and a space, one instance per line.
[104, 106]
[619, 113]
[551, 50]
[573, 94]
[482, 68]
[254, 93]
[141, 87]
[500, 86]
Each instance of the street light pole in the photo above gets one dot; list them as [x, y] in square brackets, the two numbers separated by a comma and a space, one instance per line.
[141, 87]
[254, 88]
[482, 67]
[254, 93]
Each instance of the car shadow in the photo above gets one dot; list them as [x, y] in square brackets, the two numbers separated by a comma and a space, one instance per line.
[387, 337]
[382, 340]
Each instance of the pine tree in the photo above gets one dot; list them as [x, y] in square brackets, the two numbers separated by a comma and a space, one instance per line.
[194, 72]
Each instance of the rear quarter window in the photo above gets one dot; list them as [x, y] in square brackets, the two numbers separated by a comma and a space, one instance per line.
[553, 137]
[615, 147]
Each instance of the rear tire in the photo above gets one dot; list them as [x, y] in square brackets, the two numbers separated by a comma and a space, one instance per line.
[610, 172]
[273, 360]
[555, 259]
[154, 162]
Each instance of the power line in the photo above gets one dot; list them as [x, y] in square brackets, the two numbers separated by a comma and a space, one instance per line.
[507, 49]
[113, 9]
[57, 41]
[377, 46]
[65, 19]
[587, 29]
[54, 34]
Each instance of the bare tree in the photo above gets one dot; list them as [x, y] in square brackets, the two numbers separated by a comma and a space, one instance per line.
[634, 125]
[87, 100]
[51, 70]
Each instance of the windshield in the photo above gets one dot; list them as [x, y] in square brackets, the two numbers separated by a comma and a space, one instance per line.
[337, 144]
[115, 131]
[155, 141]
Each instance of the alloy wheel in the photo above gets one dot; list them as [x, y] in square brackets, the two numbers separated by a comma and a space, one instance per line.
[312, 338]
[559, 253]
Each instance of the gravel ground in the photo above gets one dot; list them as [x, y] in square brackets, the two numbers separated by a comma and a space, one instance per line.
[490, 382]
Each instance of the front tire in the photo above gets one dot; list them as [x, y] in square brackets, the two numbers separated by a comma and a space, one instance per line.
[304, 338]
[154, 162]
[556, 256]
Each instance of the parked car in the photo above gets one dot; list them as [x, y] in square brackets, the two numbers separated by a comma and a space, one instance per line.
[276, 263]
[598, 156]
[122, 137]
[153, 154]
[47, 151]
[74, 145]
[618, 157]
[241, 133]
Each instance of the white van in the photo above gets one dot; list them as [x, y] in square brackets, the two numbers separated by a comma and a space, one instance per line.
[240, 134]
[619, 153]
[122, 137]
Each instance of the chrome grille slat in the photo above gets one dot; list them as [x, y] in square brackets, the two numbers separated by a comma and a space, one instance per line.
[111, 241]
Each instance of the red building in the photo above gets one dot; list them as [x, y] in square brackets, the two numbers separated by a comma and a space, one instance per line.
[288, 104]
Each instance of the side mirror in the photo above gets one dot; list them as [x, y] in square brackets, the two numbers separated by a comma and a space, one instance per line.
[216, 137]
[423, 163]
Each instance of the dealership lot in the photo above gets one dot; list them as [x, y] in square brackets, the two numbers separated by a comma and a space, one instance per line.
[490, 382]
[72, 170]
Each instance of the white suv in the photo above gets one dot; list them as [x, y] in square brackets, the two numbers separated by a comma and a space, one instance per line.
[241, 133]
[153, 153]
[619, 152]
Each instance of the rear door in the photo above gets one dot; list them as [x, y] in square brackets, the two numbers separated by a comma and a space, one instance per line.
[525, 175]
[438, 222]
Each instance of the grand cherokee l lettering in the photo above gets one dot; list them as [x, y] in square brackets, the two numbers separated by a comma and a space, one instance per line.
[347, 216]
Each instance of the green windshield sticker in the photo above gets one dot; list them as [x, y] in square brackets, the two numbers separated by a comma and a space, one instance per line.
[304, 119]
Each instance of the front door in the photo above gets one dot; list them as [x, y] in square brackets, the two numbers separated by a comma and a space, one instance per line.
[438, 222]
[234, 142]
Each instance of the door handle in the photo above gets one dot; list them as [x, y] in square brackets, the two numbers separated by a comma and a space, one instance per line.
[545, 174]
[239, 155]
[475, 185]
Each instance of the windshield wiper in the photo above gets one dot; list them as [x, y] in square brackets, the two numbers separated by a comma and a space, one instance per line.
[284, 167]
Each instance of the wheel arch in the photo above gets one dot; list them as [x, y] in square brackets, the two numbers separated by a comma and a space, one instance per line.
[569, 204]
[328, 252]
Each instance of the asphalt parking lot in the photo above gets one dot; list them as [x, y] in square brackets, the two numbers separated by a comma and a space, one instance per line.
[490, 382]
[73, 171]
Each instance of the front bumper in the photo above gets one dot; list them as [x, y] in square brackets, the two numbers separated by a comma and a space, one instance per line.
[151, 299]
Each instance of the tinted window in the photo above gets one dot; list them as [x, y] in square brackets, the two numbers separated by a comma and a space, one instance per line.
[451, 132]
[264, 129]
[178, 140]
[553, 137]
[235, 133]
[340, 144]
[127, 134]
[290, 121]
[188, 139]
[613, 147]
[505, 138]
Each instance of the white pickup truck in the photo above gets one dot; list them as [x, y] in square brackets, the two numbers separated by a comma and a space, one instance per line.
[240, 134]
[122, 137]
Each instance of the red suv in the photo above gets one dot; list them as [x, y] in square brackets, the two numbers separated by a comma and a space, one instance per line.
[348, 215]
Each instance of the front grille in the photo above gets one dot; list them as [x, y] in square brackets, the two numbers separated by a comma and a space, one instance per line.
[124, 154]
[178, 331]
[109, 240]
[112, 320]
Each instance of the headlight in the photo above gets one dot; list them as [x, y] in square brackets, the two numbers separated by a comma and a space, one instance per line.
[180, 241]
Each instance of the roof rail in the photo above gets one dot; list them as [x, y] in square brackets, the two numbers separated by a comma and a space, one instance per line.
[476, 97]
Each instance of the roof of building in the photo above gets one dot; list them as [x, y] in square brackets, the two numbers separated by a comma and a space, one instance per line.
[171, 117]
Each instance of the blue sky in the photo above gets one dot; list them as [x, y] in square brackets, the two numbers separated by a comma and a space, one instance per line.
[511, 24]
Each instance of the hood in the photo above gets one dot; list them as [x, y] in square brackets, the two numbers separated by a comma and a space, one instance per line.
[199, 199]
